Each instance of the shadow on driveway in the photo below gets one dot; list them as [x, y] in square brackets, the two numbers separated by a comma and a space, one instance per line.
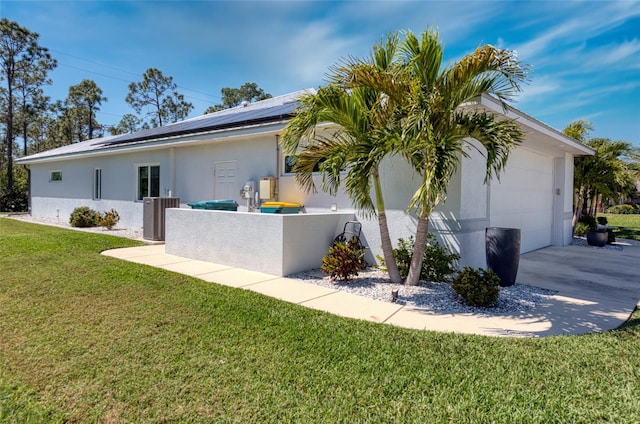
[598, 289]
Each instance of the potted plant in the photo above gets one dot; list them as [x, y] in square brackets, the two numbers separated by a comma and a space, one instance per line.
[597, 237]
[597, 234]
[502, 248]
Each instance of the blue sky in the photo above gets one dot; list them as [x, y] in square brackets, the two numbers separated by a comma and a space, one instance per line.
[585, 55]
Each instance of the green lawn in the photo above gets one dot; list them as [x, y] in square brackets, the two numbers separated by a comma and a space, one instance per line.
[629, 225]
[88, 338]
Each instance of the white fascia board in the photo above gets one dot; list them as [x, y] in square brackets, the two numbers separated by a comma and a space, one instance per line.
[217, 136]
[565, 142]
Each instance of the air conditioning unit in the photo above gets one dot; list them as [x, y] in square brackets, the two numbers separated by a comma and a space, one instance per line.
[153, 217]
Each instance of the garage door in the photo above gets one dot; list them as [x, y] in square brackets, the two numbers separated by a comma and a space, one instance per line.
[524, 198]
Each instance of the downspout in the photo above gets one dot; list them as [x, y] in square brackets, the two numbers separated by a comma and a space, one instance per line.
[172, 172]
[277, 184]
[28, 168]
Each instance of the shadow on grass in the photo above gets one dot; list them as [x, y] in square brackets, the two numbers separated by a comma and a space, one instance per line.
[627, 233]
[632, 325]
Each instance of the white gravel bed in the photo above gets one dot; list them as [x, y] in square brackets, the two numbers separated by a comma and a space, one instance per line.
[440, 297]
[64, 223]
[581, 241]
[436, 297]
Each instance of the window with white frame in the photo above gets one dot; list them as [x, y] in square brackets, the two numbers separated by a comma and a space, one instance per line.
[289, 161]
[148, 181]
[97, 183]
[55, 176]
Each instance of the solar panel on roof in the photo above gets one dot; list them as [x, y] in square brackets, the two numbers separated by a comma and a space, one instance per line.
[210, 123]
[265, 111]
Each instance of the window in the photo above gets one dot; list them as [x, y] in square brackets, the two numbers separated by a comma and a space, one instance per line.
[148, 181]
[97, 184]
[55, 176]
[289, 161]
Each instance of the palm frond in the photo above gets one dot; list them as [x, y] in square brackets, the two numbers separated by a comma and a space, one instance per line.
[497, 136]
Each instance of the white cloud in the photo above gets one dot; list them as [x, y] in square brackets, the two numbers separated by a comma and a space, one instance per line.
[309, 52]
[538, 89]
[583, 22]
[622, 56]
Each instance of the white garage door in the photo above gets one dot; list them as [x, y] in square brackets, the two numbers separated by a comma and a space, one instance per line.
[524, 198]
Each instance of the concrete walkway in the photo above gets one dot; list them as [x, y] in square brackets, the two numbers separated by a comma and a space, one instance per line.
[597, 289]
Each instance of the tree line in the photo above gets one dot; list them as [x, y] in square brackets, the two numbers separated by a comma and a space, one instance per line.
[31, 122]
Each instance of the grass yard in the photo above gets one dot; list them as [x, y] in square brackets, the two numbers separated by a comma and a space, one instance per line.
[88, 338]
[629, 225]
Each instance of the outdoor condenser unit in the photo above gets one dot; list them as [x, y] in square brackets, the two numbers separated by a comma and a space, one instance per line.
[153, 216]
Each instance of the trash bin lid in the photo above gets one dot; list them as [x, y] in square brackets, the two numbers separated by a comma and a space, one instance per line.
[214, 202]
[281, 205]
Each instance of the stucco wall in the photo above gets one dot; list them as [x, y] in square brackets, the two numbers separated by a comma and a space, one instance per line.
[254, 157]
[270, 243]
[119, 178]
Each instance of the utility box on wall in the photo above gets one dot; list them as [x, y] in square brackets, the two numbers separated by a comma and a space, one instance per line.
[153, 217]
[267, 188]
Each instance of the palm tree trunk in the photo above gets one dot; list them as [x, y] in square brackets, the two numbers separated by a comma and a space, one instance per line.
[576, 202]
[422, 231]
[385, 239]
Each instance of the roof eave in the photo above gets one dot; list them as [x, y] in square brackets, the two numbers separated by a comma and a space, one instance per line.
[564, 142]
[163, 142]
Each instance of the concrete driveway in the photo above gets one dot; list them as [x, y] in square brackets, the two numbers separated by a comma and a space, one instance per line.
[598, 289]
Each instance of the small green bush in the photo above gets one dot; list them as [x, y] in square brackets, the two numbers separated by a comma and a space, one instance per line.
[602, 220]
[84, 216]
[109, 219]
[478, 287]
[622, 209]
[581, 229]
[344, 260]
[437, 264]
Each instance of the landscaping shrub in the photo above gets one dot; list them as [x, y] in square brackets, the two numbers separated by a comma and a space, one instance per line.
[109, 219]
[344, 260]
[622, 209]
[581, 229]
[478, 287]
[437, 264]
[589, 220]
[602, 220]
[84, 216]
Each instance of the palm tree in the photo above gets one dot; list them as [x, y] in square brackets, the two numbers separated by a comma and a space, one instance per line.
[349, 152]
[608, 174]
[579, 130]
[435, 120]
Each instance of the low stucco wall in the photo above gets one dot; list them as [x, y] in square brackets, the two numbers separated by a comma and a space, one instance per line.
[55, 207]
[270, 243]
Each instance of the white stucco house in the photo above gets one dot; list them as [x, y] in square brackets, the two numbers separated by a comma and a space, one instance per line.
[212, 156]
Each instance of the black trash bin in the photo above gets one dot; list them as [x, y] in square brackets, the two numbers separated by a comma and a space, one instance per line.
[503, 253]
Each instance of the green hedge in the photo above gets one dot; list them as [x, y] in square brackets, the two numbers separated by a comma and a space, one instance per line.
[623, 209]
